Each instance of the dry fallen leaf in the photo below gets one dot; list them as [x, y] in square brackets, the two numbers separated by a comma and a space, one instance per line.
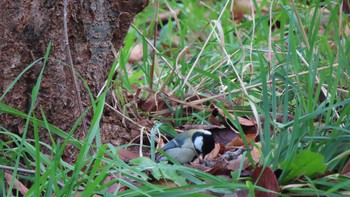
[237, 141]
[220, 168]
[241, 7]
[212, 119]
[164, 183]
[156, 104]
[265, 178]
[196, 165]
[218, 117]
[214, 153]
[255, 152]
[346, 169]
[17, 184]
[136, 53]
[246, 122]
[223, 135]
[245, 7]
[347, 29]
[161, 143]
[235, 164]
[127, 155]
[116, 186]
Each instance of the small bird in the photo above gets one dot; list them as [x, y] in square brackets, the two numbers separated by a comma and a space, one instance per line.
[189, 145]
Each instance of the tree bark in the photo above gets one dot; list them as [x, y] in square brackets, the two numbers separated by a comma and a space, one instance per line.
[26, 28]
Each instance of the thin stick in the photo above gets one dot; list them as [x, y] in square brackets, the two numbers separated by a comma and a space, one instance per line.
[18, 169]
[23, 170]
[151, 72]
[300, 24]
[70, 60]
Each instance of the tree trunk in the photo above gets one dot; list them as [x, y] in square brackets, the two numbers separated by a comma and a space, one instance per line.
[26, 28]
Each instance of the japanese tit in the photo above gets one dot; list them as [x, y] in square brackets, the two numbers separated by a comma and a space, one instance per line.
[189, 145]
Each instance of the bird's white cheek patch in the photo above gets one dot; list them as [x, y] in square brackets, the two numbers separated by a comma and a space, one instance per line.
[198, 143]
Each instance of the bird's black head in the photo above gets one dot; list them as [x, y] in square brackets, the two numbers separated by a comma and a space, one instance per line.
[203, 142]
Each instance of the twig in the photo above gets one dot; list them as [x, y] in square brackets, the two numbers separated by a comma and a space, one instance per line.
[23, 170]
[70, 60]
[18, 169]
[151, 72]
[300, 24]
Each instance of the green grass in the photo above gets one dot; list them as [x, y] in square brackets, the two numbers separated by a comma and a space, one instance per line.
[269, 71]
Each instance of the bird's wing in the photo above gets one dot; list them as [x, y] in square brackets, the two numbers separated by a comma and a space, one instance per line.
[171, 144]
[180, 139]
